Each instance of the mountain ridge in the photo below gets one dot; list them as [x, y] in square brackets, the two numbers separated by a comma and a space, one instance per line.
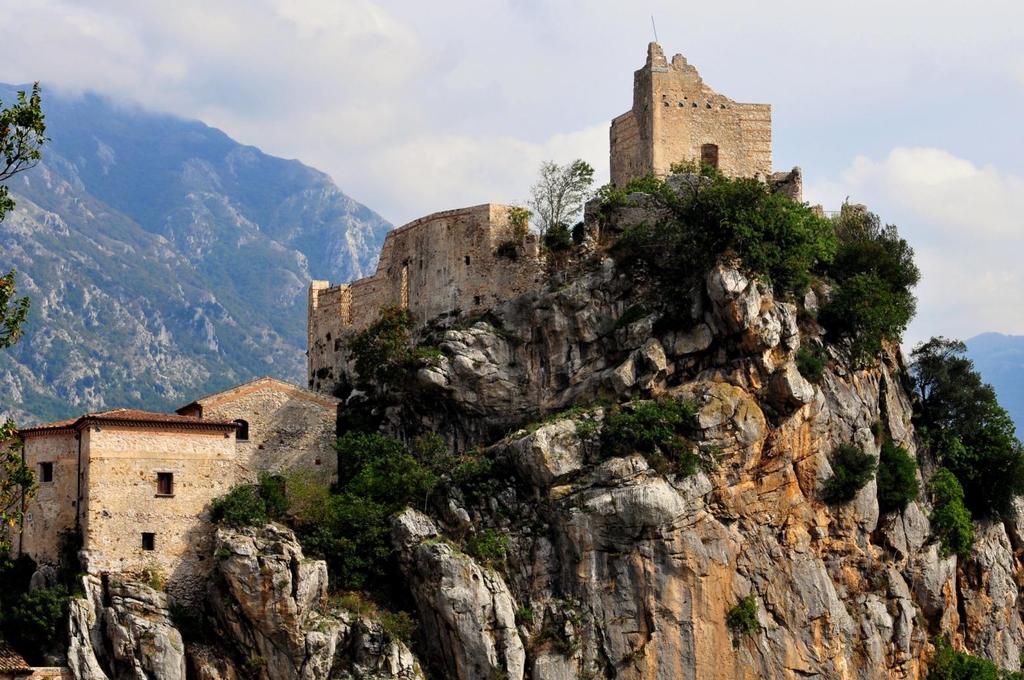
[164, 259]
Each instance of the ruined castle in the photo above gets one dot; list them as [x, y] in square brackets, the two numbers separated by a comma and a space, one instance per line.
[452, 264]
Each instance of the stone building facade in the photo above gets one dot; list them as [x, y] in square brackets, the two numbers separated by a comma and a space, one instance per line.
[676, 117]
[447, 263]
[281, 427]
[138, 486]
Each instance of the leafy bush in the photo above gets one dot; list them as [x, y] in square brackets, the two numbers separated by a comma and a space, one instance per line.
[242, 506]
[488, 546]
[811, 362]
[35, 621]
[783, 241]
[897, 478]
[851, 470]
[558, 239]
[950, 518]
[742, 618]
[579, 233]
[632, 314]
[963, 425]
[655, 429]
[519, 218]
[950, 664]
[873, 270]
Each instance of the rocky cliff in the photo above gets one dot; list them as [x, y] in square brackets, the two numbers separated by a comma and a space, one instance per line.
[619, 564]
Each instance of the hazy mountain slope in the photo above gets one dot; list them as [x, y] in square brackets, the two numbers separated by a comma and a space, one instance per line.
[165, 260]
[1000, 358]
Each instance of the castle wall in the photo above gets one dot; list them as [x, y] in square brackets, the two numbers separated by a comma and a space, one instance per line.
[122, 502]
[440, 264]
[675, 114]
[52, 510]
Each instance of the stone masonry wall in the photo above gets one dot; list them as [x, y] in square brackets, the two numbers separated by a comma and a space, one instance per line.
[122, 501]
[444, 263]
[675, 113]
[52, 509]
[287, 430]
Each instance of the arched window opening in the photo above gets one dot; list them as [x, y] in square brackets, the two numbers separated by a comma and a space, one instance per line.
[709, 155]
[242, 434]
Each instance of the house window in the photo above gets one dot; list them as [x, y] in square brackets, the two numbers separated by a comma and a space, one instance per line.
[242, 434]
[476, 299]
[165, 484]
[148, 541]
[467, 260]
[45, 472]
[709, 155]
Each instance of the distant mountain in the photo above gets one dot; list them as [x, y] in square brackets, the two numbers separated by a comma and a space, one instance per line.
[164, 260]
[1000, 359]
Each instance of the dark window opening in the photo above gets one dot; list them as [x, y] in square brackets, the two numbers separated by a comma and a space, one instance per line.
[476, 299]
[709, 155]
[467, 260]
[242, 434]
[45, 472]
[148, 541]
[316, 462]
[165, 483]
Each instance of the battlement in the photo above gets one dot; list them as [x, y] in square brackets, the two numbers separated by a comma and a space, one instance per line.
[676, 117]
[443, 264]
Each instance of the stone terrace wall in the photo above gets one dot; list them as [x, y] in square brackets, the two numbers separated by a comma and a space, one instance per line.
[53, 508]
[122, 502]
[675, 113]
[440, 264]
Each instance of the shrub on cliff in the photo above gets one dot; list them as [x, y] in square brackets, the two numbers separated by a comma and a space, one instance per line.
[383, 352]
[950, 664]
[656, 429]
[783, 241]
[950, 518]
[874, 272]
[251, 505]
[742, 618]
[896, 478]
[851, 470]
[965, 428]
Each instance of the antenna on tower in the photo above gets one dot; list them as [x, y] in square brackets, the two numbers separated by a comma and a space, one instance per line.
[655, 29]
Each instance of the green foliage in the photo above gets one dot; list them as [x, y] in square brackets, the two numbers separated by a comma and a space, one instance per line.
[897, 478]
[251, 505]
[811, 361]
[558, 239]
[742, 617]
[873, 270]
[950, 664]
[32, 621]
[508, 249]
[950, 518]
[657, 430]
[560, 192]
[383, 352]
[966, 429]
[488, 546]
[579, 233]
[775, 237]
[22, 135]
[398, 626]
[524, 615]
[377, 477]
[851, 470]
[519, 219]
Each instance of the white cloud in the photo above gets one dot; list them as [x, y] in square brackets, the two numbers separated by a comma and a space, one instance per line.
[966, 224]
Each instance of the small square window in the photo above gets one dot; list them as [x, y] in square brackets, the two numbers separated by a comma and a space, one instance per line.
[45, 472]
[467, 260]
[148, 541]
[165, 484]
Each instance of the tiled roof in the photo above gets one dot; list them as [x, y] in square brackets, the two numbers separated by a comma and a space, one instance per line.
[12, 662]
[129, 415]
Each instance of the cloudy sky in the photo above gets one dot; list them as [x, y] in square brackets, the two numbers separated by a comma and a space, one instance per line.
[913, 107]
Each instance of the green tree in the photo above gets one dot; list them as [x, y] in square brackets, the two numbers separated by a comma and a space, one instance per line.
[965, 428]
[950, 519]
[896, 477]
[383, 352]
[560, 192]
[22, 135]
[851, 470]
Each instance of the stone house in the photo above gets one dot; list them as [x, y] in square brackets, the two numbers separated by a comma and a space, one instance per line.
[137, 486]
[14, 667]
[280, 426]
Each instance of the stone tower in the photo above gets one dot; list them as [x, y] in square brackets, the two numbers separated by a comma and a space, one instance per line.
[676, 117]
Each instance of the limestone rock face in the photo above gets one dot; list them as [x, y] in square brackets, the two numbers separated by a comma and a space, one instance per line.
[467, 608]
[272, 605]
